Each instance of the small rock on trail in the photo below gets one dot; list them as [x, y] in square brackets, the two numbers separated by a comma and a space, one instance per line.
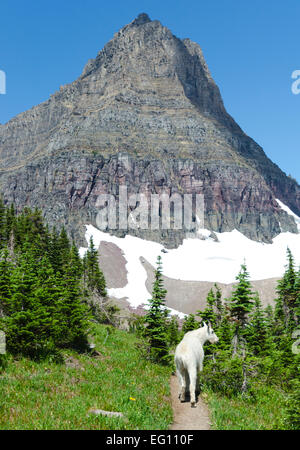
[186, 417]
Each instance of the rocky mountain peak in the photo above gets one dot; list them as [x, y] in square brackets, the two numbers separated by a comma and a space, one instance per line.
[141, 19]
[144, 54]
[147, 113]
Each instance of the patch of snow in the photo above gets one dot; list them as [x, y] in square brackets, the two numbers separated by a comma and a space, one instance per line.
[203, 233]
[133, 248]
[82, 251]
[173, 312]
[290, 213]
[198, 259]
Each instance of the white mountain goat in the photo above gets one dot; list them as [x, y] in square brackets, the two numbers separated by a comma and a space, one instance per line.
[189, 356]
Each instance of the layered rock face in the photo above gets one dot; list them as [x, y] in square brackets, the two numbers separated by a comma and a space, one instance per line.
[145, 113]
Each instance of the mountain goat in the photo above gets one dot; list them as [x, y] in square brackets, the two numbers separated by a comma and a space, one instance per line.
[189, 356]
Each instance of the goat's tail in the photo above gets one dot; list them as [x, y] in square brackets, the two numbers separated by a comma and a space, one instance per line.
[180, 363]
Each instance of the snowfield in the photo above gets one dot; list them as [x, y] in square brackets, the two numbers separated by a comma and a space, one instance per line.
[200, 259]
[287, 209]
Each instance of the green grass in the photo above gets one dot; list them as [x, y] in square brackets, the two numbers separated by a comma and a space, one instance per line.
[58, 396]
[265, 412]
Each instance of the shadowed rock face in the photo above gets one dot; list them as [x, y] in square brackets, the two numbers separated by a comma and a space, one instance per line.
[146, 113]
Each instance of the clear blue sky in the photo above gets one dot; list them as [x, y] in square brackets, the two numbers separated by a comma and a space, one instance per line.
[251, 47]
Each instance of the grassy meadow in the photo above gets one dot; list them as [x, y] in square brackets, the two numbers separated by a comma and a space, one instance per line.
[266, 412]
[47, 395]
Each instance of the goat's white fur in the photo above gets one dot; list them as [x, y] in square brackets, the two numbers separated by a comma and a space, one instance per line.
[189, 356]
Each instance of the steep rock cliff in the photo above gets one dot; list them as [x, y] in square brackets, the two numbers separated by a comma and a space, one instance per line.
[146, 113]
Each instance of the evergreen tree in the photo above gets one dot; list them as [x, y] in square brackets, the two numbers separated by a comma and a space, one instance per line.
[93, 275]
[156, 319]
[219, 305]
[286, 289]
[173, 332]
[63, 247]
[279, 317]
[54, 253]
[257, 333]
[76, 261]
[288, 297]
[225, 333]
[269, 314]
[48, 292]
[209, 315]
[73, 309]
[241, 301]
[25, 323]
[5, 282]
[41, 305]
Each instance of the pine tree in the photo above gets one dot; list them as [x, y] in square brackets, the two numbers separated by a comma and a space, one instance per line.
[42, 306]
[288, 294]
[279, 316]
[269, 314]
[257, 333]
[240, 304]
[48, 292]
[209, 315]
[225, 333]
[93, 275]
[219, 305]
[241, 301]
[156, 319]
[173, 332]
[76, 261]
[54, 253]
[72, 308]
[6, 269]
[24, 325]
[63, 247]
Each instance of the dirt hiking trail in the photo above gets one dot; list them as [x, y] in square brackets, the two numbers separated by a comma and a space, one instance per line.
[185, 417]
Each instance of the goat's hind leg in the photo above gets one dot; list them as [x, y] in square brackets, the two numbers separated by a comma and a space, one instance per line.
[193, 382]
[198, 390]
[200, 369]
[182, 384]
